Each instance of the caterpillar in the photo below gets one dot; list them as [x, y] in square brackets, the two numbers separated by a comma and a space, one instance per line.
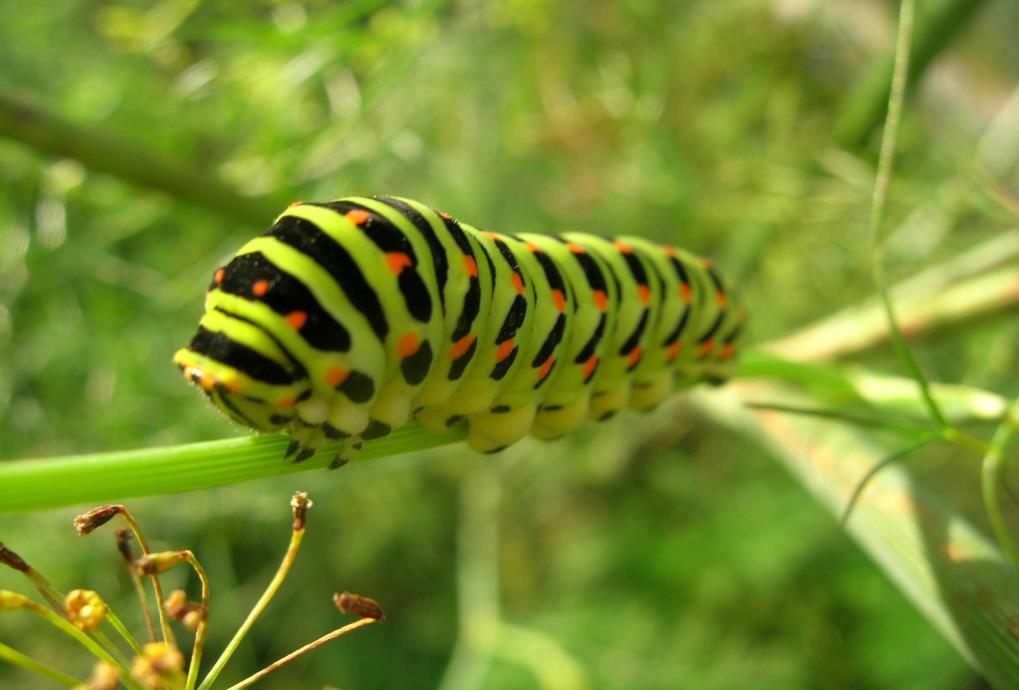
[347, 319]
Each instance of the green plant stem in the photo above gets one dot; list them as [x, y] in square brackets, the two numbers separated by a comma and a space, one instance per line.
[878, 467]
[886, 163]
[901, 426]
[296, 537]
[27, 485]
[203, 624]
[143, 602]
[48, 133]
[939, 23]
[16, 658]
[55, 599]
[279, 663]
[993, 477]
[926, 310]
[157, 588]
[84, 640]
[51, 482]
[119, 626]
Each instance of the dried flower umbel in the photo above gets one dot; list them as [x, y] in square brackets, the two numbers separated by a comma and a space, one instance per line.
[156, 664]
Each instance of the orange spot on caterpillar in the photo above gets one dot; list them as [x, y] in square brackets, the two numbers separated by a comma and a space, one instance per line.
[445, 215]
[518, 282]
[601, 300]
[533, 248]
[233, 385]
[461, 346]
[706, 347]
[685, 292]
[285, 402]
[559, 300]
[206, 382]
[357, 216]
[408, 345]
[259, 288]
[644, 294]
[727, 351]
[471, 266]
[297, 319]
[673, 351]
[634, 356]
[545, 368]
[295, 203]
[575, 248]
[505, 349]
[491, 235]
[622, 246]
[589, 366]
[397, 261]
[335, 376]
[721, 300]
[668, 251]
[218, 276]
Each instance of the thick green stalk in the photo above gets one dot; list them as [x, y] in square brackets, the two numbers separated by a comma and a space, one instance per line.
[49, 483]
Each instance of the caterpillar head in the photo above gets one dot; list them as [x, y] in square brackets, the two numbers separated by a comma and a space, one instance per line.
[238, 367]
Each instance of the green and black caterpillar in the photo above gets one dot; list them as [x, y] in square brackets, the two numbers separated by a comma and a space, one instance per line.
[346, 319]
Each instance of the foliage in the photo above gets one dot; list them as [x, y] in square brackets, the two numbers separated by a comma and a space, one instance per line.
[686, 559]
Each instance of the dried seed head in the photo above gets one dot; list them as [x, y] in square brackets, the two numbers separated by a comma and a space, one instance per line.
[97, 517]
[300, 503]
[363, 607]
[123, 536]
[180, 609]
[160, 562]
[85, 609]
[10, 601]
[193, 618]
[161, 665]
[176, 604]
[104, 677]
[12, 560]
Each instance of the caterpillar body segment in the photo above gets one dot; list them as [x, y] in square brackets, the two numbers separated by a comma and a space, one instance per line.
[348, 318]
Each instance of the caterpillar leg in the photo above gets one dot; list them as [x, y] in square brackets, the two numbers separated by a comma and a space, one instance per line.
[305, 442]
[490, 432]
[350, 448]
[606, 403]
[646, 395]
[552, 421]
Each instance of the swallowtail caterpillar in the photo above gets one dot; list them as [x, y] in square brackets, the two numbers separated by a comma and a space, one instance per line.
[347, 319]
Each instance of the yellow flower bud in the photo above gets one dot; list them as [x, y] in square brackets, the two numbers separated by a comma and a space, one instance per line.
[104, 677]
[160, 666]
[85, 609]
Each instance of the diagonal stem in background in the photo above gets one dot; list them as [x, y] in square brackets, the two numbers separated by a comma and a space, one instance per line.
[886, 163]
[51, 134]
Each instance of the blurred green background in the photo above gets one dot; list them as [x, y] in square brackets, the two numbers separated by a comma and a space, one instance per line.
[686, 560]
